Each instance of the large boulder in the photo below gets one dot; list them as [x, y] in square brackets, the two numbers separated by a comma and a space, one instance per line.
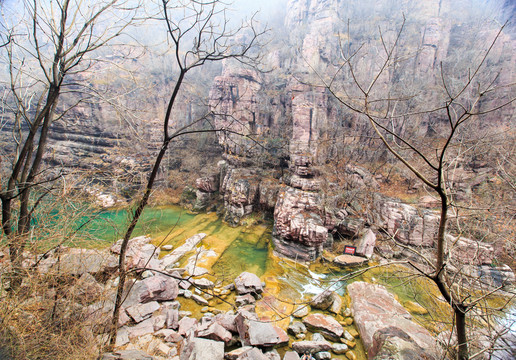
[382, 321]
[326, 325]
[248, 283]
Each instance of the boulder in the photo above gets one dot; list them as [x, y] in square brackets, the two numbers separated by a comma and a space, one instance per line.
[169, 335]
[235, 354]
[140, 253]
[252, 354]
[214, 331]
[301, 311]
[201, 349]
[408, 224]
[376, 310]
[154, 288]
[349, 260]
[311, 347]
[322, 355]
[247, 283]
[366, 243]
[296, 328]
[336, 305]
[291, 355]
[322, 301]
[200, 300]
[326, 325]
[339, 349]
[227, 321]
[253, 332]
[140, 312]
[244, 300]
[187, 325]
[143, 328]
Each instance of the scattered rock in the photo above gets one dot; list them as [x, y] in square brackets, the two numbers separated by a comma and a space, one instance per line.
[301, 311]
[322, 301]
[244, 300]
[291, 355]
[296, 328]
[305, 346]
[169, 335]
[187, 325]
[141, 329]
[200, 300]
[255, 333]
[327, 325]
[235, 354]
[339, 349]
[336, 305]
[365, 246]
[201, 349]
[349, 260]
[155, 288]
[322, 355]
[247, 283]
[215, 332]
[141, 312]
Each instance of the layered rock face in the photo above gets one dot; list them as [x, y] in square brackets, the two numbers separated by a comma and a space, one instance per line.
[299, 214]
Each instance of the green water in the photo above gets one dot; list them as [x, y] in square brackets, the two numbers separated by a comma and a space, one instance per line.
[109, 226]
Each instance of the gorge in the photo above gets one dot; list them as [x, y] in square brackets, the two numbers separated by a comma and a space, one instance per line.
[364, 126]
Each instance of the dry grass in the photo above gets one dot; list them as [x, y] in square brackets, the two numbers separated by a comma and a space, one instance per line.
[44, 320]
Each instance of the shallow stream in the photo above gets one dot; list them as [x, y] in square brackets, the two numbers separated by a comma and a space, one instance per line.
[246, 248]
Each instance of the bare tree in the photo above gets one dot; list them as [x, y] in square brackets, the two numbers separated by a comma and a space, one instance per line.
[464, 99]
[199, 32]
[49, 44]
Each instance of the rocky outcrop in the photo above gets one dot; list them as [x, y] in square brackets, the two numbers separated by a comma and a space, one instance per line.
[386, 326]
[240, 191]
[407, 224]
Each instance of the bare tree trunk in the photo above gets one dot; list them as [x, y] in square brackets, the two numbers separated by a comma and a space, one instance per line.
[123, 249]
[460, 326]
